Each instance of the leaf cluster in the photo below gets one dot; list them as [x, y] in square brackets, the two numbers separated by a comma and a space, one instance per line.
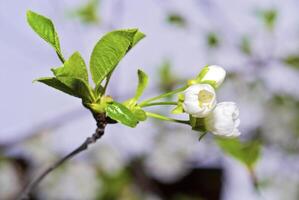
[72, 76]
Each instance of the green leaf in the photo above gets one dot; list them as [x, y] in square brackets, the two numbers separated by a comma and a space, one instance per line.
[79, 87]
[71, 86]
[247, 153]
[74, 67]
[178, 109]
[109, 50]
[142, 83]
[45, 29]
[55, 83]
[137, 37]
[73, 74]
[121, 114]
[139, 114]
[292, 60]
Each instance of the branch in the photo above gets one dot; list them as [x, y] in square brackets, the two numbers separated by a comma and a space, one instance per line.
[101, 124]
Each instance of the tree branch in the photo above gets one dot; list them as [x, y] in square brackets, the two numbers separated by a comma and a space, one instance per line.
[101, 124]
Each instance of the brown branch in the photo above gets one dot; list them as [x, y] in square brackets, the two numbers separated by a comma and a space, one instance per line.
[101, 124]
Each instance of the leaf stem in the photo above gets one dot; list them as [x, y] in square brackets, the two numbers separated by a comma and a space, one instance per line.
[107, 81]
[163, 95]
[162, 117]
[159, 103]
[60, 56]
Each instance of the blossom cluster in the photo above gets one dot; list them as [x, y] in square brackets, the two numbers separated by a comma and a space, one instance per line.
[200, 102]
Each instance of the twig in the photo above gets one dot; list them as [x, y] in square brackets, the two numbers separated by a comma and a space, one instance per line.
[101, 124]
[201, 136]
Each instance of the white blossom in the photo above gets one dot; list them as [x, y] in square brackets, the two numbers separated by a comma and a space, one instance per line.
[224, 120]
[199, 100]
[214, 73]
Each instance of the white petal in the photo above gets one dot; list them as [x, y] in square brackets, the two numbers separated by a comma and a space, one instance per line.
[223, 120]
[191, 107]
[191, 102]
[215, 73]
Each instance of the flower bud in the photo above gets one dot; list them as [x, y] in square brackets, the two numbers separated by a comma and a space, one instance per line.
[199, 100]
[214, 74]
[224, 120]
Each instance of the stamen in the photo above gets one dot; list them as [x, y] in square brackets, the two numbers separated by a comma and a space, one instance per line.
[204, 96]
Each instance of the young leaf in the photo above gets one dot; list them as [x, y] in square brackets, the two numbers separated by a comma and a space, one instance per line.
[79, 87]
[74, 67]
[71, 86]
[137, 37]
[108, 52]
[178, 109]
[246, 152]
[55, 83]
[139, 114]
[121, 114]
[45, 29]
[142, 83]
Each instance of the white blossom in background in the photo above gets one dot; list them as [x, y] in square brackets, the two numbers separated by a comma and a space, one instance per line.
[199, 100]
[167, 163]
[108, 158]
[9, 182]
[216, 74]
[224, 120]
[76, 180]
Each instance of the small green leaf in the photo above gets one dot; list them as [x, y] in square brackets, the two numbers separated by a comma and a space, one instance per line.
[139, 114]
[292, 60]
[178, 109]
[246, 152]
[71, 86]
[45, 29]
[74, 67]
[109, 50]
[73, 74]
[55, 83]
[79, 87]
[121, 114]
[142, 83]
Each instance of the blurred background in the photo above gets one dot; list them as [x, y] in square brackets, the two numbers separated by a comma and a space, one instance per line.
[257, 42]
